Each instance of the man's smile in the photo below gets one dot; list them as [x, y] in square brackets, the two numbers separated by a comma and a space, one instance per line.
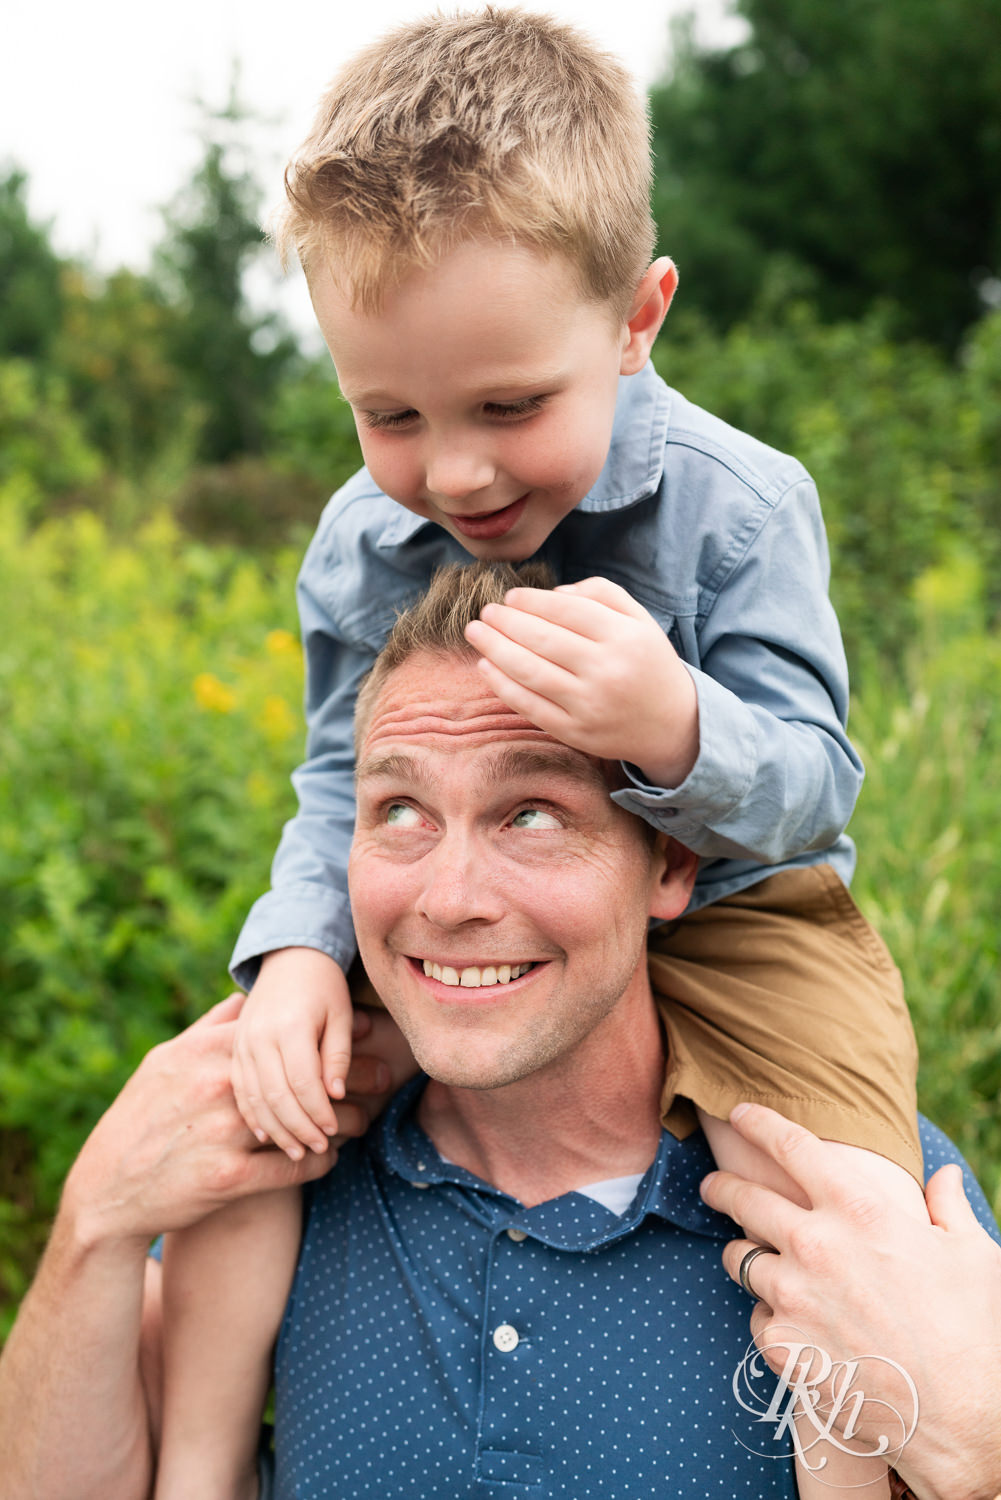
[473, 976]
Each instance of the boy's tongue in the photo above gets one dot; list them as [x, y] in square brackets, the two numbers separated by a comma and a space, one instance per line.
[491, 523]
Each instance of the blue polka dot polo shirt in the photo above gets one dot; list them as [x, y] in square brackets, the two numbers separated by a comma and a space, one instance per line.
[442, 1340]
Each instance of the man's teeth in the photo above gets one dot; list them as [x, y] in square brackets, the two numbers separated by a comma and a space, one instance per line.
[473, 978]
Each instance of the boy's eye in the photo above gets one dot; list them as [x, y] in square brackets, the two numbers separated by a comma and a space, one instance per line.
[384, 419]
[402, 815]
[535, 819]
[513, 409]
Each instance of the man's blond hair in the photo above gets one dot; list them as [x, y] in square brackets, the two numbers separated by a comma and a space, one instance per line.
[496, 123]
[436, 622]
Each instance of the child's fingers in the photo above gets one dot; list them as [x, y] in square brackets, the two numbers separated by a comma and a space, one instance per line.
[334, 1055]
[279, 1112]
[243, 1091]
[520, 663]
[546, 639]
[537, 709]
[589, 620]
[602, 591]
[302, 1063]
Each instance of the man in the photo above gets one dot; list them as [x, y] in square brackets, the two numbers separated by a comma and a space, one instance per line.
[511, 1287]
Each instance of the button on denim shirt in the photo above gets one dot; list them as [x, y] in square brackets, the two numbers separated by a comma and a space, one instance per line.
[721, 539]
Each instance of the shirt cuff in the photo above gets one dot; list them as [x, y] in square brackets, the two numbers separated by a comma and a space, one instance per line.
[304, 915]
[719, 781]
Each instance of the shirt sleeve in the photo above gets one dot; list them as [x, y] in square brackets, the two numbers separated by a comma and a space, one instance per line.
[307, 905]
[776, 775]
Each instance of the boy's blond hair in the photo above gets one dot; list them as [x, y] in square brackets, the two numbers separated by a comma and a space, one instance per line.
[495, 123]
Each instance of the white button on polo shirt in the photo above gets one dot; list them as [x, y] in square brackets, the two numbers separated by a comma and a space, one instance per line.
[505, 1338]
[517, 1235]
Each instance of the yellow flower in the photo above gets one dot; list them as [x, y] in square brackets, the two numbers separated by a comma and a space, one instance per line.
[214, 695]
[280, 642]
[276, 718]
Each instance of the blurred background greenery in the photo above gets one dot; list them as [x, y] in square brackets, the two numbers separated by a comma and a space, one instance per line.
[831, 189]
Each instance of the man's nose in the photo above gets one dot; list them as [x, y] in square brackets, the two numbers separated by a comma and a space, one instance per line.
[457, 470]
[459, 885]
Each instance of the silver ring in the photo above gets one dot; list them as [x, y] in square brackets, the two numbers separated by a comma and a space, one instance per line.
[745, 1266]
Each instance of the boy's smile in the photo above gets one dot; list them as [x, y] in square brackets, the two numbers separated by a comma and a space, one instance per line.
[484, 389]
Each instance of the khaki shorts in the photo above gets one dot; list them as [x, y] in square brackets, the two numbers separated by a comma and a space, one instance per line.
[783, 994]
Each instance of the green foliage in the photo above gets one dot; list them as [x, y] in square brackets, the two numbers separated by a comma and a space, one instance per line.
[149, 716]
[45, 453]
[905, 448]
[231, 360]
[30, 277]
[859, 141]
[928, 828]
[114, 349]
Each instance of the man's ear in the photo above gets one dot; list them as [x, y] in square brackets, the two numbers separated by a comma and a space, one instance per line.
[675, 869]
[649, 309]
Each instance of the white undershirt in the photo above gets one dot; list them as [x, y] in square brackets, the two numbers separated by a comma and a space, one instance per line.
[615, 1193]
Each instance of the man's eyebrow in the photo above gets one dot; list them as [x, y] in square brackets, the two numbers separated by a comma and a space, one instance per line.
[544, 760]
[394, 767]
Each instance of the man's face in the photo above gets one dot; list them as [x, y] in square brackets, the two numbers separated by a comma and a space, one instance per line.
[483, 391]
[499, 896]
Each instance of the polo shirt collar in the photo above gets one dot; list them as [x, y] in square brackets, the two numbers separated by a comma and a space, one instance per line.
[669, 1188]
[632, 469]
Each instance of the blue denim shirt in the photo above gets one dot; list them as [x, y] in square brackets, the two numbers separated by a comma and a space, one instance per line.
[721, 539]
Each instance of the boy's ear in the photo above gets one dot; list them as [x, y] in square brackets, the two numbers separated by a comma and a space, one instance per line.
[649, 309]
[675, 869]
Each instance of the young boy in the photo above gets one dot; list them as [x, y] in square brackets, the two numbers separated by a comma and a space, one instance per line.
[472, 213]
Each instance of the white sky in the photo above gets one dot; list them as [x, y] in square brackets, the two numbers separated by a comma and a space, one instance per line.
[95, 97]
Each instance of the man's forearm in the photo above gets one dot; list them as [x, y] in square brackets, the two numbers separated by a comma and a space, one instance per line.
[73, 1417]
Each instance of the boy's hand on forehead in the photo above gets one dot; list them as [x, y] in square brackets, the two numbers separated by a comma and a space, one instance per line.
[591, 667]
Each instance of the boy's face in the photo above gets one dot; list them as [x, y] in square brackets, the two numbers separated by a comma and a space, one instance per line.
[483, 391]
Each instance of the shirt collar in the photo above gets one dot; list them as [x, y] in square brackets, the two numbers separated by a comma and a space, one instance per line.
[632, 470]
[668, 1190]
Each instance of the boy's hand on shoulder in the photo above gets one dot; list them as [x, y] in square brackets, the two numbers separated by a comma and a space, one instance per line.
[593, 668]
[293, 1050]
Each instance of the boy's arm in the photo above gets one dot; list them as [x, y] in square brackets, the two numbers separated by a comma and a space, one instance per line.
[307, 905]
[776, 774]
[743, 756]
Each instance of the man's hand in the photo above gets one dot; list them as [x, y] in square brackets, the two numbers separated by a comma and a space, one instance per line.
[293, 1050]
[856, 1279]
[172, 1147]
[590, 666]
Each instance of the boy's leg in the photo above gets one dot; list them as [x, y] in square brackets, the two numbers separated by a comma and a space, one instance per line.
[225, 1285]
[784, 995]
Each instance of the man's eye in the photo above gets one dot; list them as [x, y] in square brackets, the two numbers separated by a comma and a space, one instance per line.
[535, 818]
[402, 815]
